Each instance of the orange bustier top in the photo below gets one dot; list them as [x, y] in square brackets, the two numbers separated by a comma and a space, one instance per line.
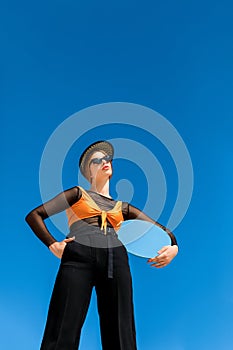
[86, 207]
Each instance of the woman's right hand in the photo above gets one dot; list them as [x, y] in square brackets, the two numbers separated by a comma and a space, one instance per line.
[57, 248]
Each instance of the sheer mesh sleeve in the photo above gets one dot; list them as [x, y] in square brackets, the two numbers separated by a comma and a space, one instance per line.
[36, 217]
[130, 212]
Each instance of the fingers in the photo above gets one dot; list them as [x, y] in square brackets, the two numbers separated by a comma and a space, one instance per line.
[159, 261]
[161, 254]
[157, 258]
[69, 239]
[164, 257]
[163, 249]
[57, 248]
[158, 266]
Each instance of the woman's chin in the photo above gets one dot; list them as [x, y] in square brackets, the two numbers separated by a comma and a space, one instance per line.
[104, 175]
[107, 172]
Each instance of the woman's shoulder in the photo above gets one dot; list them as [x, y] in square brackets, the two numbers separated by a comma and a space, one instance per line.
[73, 193]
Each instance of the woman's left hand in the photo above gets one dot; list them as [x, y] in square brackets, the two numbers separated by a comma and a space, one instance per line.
[165, 256]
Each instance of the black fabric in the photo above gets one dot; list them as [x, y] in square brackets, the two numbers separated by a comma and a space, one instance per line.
[36, 217]
[82, 268]
[64, 200]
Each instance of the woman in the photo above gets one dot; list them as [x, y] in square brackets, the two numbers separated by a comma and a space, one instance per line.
[92, 256]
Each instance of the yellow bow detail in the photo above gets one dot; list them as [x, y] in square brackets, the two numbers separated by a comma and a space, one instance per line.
[104, 221]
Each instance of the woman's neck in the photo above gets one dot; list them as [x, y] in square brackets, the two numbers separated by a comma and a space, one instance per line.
[101, 188]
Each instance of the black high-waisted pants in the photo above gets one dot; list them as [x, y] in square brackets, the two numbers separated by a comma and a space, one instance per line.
[82, 268]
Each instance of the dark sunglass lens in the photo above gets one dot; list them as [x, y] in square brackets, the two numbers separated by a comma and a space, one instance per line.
[99, 160]
[96, 160]
[107, 158]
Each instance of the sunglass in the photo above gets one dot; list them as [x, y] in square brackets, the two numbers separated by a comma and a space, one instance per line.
[99, 160]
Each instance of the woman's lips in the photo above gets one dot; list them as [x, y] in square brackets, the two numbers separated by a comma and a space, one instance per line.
[105, 167]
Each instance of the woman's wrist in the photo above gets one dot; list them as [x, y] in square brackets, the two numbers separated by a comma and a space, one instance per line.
[51, 244]
[175, 247]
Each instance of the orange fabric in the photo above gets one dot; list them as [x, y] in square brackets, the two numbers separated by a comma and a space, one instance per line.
[86, 207]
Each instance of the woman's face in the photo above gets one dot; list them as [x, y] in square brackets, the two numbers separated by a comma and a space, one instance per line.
[99, 167]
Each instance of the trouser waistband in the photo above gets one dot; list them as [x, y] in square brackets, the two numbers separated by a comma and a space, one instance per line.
[107, 240]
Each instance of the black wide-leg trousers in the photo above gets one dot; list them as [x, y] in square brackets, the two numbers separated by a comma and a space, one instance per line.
[82, 268]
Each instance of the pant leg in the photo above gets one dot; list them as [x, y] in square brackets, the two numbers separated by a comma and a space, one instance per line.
[69, 302]
[115, 304]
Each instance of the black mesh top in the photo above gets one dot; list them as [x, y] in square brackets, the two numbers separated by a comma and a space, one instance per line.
[64, 200]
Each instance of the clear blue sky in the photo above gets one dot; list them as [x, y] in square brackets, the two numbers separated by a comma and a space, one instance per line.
[175, 57]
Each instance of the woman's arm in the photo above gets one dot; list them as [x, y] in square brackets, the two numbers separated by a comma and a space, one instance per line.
[167, 253]
[36, 217]
[135, 213]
